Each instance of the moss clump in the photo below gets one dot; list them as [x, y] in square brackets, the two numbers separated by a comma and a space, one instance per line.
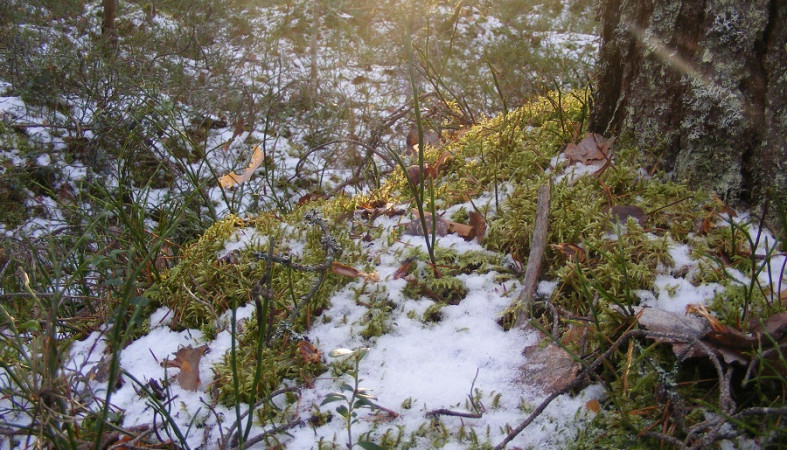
[376, 323]
[200, 287]
[203, 286]
[282, 360]
[616, 266]
[445, 290]
[433, 313]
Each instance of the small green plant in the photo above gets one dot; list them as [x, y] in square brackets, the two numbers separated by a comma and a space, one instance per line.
[419, 189]
[352, 396]
[750, 261]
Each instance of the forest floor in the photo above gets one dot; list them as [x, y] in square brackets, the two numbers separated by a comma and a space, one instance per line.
[157, 231]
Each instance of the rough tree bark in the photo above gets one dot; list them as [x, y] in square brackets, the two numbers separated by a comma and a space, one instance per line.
[700, 86]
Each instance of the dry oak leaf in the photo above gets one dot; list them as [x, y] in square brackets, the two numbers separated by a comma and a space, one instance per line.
[187, 360]
[592, 148]
[401, 272]
[232, 178]
[727, 342]
[478, 223]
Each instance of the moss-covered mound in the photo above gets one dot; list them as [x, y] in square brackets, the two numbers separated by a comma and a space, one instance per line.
[612, 231]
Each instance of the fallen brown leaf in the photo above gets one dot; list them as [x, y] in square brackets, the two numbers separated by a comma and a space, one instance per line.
[401, 272]
[775, 327]
[574, 335]
[592, 148]
[309, 353]
[720, 339]
[476, 228]
[466, 231]
[414, 228]
[622, 212]
[187, 360]
[549, 367]
[343, 269]
[478, 223]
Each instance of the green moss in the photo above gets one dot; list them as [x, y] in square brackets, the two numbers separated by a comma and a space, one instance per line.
[433, 313]
[202, 287]
[729, 304]
[447, 290]
[282, 361]
[376, 323]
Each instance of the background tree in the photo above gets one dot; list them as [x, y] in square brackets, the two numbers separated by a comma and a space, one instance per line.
[108, 23]
[701, 85]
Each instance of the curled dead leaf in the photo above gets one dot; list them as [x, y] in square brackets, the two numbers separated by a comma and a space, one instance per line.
[309, 353]
[571, 251]
[232, 178]
[720, 339]
[347, 271]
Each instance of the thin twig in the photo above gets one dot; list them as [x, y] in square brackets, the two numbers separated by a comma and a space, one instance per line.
[448, 412]
[663, 437]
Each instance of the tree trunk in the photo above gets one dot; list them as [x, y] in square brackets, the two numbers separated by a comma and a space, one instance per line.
[108, 24]
[700, 86]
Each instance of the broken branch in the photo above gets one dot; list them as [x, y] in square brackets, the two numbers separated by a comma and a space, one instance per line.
[537, 245]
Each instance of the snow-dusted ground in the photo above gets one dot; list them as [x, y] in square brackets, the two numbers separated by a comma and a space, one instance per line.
[413, 369]
[428, 366]
[416, 367]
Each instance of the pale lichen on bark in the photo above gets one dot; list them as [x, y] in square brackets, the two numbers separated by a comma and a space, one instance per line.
[700, 87]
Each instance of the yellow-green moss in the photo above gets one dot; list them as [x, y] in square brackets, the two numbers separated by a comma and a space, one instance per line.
[200, 288]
